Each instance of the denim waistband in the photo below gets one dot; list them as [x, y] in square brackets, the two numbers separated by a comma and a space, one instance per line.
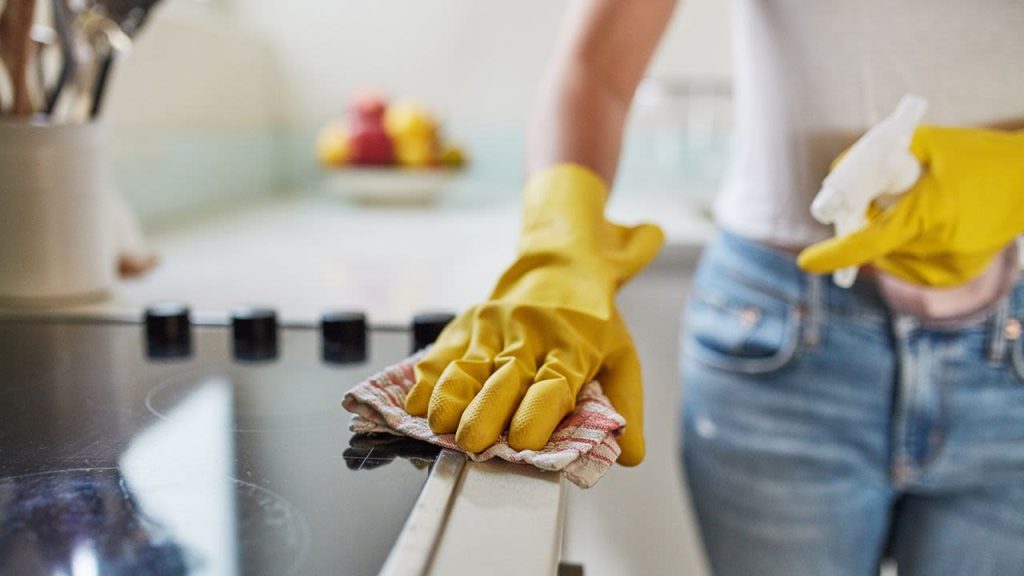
[775, 271]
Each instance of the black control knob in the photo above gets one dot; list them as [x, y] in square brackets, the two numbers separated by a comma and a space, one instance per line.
[427, 327]
[344, 336]
[168, 330]
[254, 332]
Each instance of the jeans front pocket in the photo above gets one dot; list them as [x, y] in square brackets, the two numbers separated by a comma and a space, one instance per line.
[738, 328]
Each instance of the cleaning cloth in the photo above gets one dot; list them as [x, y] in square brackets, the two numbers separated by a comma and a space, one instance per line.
[582, 447]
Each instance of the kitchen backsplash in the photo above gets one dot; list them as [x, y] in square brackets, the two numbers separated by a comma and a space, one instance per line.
[169, 176]
[174, 175]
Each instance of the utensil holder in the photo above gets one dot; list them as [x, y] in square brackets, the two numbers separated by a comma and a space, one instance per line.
[56, 234]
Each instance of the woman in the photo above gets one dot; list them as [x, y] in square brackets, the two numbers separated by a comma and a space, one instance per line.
[823, 424]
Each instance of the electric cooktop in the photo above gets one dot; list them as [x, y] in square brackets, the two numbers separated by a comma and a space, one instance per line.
[167, 447]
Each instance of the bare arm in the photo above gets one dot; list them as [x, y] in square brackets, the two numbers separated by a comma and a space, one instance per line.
[603, 51]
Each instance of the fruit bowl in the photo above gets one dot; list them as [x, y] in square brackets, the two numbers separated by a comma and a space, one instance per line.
[390, 186]
[388, 153]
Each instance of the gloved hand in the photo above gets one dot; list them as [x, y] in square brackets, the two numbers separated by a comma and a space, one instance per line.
[518, 360]
[967, 207]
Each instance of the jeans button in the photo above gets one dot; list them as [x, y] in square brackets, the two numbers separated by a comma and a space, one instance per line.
[1012, 329]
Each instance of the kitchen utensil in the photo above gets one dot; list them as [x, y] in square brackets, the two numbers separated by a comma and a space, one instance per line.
[15, 48]
[100, 85]
[3, 70]
[71, 105]
[85, 42]
[77, 109]
[69, 64]
[105, 39]
[92, 33]
[127, 16]
[44, 38]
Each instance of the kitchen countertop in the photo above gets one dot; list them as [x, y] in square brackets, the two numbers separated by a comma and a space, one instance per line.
[306, 253]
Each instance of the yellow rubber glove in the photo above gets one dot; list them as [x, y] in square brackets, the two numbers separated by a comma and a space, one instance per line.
[517, 361]
[967, 207]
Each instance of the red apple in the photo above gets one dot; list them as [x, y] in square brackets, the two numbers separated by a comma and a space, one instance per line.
[370, 145]
[368, 106]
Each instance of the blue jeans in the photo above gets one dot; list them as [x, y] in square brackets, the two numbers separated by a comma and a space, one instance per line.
[823, 433]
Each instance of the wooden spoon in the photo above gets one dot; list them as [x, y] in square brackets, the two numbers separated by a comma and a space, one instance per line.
[3, 69]
[15, 50]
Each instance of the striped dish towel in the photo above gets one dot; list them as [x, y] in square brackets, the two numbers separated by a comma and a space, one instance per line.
[582, 447]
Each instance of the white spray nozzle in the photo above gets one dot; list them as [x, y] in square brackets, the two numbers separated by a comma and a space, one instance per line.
[878, 164]
[827, 205]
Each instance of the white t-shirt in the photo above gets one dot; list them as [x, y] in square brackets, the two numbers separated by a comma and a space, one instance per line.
[812, 75]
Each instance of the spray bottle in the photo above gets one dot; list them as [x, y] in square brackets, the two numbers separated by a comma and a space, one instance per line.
[878, 167]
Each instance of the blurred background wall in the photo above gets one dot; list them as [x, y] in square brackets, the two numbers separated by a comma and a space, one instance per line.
[221, 99]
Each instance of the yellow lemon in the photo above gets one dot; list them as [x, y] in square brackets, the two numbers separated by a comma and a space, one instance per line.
[416, 152]
[332, 146]
[407, 119]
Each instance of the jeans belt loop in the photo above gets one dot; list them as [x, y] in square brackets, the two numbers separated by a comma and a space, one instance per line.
[815, 308]
[997, 338]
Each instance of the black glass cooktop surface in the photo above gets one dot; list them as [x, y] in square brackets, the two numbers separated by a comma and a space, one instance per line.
[120, 458]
